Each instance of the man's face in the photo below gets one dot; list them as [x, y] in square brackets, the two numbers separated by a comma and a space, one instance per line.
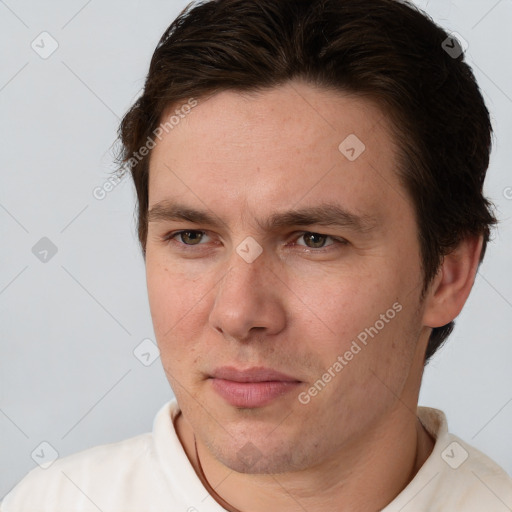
[333, 307]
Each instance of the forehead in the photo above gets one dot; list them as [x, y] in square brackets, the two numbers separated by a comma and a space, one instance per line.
[267, 151]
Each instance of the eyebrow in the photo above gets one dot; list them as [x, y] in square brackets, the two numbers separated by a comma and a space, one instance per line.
[325, 214]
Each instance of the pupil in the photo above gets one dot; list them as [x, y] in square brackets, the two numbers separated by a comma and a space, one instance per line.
[193, 237]
[320, 239]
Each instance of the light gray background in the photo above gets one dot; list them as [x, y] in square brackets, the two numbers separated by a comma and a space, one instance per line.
[69, 326]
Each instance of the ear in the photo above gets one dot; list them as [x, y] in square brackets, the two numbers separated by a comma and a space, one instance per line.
[450, 288]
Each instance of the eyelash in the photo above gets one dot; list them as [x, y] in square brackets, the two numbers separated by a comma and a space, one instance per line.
[170, 238]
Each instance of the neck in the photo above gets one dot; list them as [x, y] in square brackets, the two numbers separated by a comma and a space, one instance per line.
[387, 458]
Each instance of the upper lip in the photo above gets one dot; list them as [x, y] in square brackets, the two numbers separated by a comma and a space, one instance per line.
[255, 374]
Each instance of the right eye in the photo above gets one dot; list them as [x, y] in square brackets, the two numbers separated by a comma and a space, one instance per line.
[187, 237]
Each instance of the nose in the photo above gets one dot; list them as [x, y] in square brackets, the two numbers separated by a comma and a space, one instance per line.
[248, 301]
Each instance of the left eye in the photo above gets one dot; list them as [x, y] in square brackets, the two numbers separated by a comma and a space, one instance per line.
[315, 240]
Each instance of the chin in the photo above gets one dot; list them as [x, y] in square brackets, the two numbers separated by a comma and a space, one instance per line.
[260, 458]
[280, 463]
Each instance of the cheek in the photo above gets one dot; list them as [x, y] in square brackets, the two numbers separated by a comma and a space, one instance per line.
[339, 303]
[364, 317]
[175, 302]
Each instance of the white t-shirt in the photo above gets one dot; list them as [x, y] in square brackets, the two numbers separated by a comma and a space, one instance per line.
[151, 473]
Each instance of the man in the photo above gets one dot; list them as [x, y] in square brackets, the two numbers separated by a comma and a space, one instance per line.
[309, 178]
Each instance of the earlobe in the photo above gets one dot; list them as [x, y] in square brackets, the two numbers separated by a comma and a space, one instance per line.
[451, 286]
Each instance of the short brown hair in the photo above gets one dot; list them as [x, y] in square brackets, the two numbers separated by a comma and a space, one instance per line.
[385, 50]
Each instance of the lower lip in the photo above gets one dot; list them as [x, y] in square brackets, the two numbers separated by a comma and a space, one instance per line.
[250, 395]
